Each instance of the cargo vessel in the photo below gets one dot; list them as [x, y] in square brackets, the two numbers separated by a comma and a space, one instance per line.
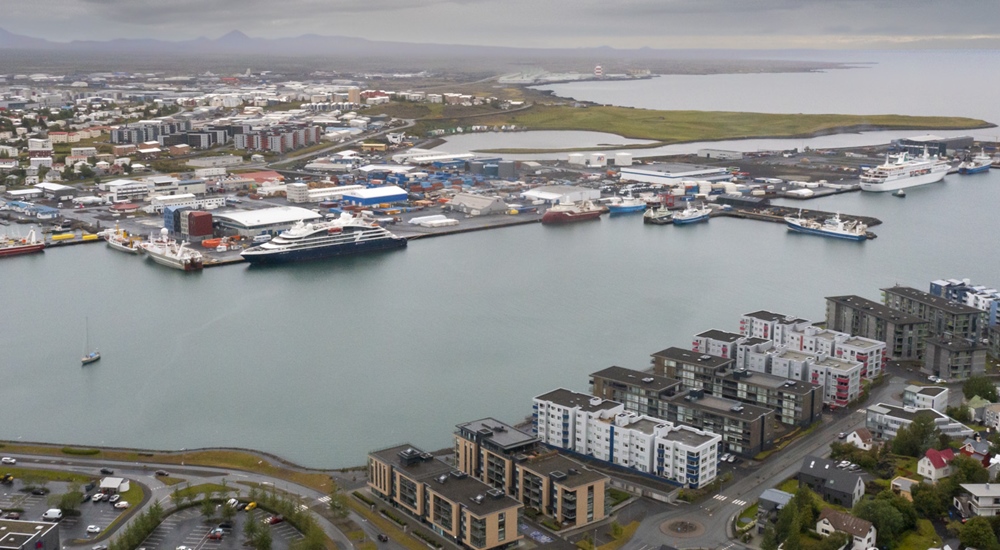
[343, 236]
[977, 164]
[120, 240]
[166, 251]
[627, 205]
[572, 212]
[904, 172]
[14, 247]
[692, 214]
[833, 227]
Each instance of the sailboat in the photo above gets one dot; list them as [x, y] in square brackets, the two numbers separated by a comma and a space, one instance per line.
[92, 356]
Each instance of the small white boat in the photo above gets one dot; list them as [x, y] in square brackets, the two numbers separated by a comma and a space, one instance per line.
[899, 193]
[89, 357]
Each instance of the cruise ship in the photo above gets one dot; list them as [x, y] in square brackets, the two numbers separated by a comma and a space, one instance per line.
[166, 251]
[904, 172]
[311, 241]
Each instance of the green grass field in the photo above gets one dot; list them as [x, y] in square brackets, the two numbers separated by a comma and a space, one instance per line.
[666, 127]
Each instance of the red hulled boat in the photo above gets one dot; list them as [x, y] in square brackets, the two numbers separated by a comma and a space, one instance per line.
[27, 245]
[573, 212]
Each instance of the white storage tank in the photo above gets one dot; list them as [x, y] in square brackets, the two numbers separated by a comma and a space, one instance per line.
[597, 159]
[576, 158]
[623, 159]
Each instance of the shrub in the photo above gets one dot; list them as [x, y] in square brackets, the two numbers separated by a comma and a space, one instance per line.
[80, 452]
[360, 496]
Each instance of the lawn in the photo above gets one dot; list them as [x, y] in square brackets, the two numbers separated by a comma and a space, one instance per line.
[920, 539]
[750, 513]
[666, 127]
[44, 476]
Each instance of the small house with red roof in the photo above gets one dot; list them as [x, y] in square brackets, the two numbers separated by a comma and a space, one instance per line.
[935, 465]
[975, 448]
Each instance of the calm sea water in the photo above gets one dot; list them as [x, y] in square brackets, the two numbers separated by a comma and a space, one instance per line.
[322, 362]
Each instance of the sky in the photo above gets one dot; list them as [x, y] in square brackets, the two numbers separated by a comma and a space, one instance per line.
[750, 24]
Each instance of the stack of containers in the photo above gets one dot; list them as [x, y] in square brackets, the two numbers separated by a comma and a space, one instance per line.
[199, 223]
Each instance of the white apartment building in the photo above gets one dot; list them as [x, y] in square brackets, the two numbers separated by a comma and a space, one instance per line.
[158, 203]
[841, 380]
[301, 193]
[126, 189]
[718, 343]
[884, 421]
[603, 430]
[926, 397]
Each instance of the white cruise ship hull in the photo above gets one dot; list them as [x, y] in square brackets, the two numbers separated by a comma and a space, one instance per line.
[905, 182]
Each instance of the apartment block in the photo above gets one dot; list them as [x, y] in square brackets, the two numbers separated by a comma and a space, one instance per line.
[884, 421]
[487, 449]
[983, 298]
[451, 502]
[717, 342]
[926, 397]
[946, 318]
[902, 333]
[605, 431]
[640, 392]
[767, 325]
[562, 489]
[954, 358]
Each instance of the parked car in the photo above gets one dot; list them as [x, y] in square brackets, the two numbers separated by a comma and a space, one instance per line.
[731, 459]
[13, 515]
[40, 491]
[114, 498]
[226, 525]
[232, 502]
[99, 547]
[842, 435]
[8, 460]
[162, 473]
[216, 534]
[121, 505]
[52, 514]
[275, 519]
[98, 497]
[250, 506]
[383, 538]
[107, 471]
[93, 529]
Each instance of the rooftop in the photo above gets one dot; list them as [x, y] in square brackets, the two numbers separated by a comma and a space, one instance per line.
[955, 344]
[846, 523]
[774, 382]
[906, 413]
[836, 478]
[932, 300]
[690, 436]
[723, 406]
[766, 316]
[839, 364]
[14, 533]
[576, 474]
[571, 399]
[983, 489]
[687, 356]
[415, 463]
[862, 343]
[632, 377]
[480, 499]
[646, 425]
[268, 216]
[500, 434]
[721, 335]
[875, 309]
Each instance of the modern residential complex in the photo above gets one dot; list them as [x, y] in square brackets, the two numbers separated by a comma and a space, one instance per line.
[884, 421]
[926, 397]
[902, 333]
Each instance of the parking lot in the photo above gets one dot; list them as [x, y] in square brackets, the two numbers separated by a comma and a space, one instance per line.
[71, 527]
[189, 529]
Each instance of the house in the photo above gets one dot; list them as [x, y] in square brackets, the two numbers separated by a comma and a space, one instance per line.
[902, 486]
[861, 531]
[835, 485]
[935, 465]
[769, 504]
[991, 415]
[861, 438]
[978, 499]
[974, 447]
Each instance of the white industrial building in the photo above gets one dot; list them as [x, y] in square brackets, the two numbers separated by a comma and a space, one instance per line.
[126, 189]
[673, 174]
[588, 159]
[602, 429]
[190, 200]
[301, 193]
[926, 397]
[554, 194]
[722, 154]
[249, 223]
[476, 205]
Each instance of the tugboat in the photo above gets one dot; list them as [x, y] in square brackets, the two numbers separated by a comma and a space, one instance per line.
[572, 212]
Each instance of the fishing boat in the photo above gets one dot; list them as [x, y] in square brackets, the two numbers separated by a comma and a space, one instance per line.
[657, 215]
[89, 356]
[627, 205]
[15, 246]
[692, 214]
[166, 251]
[977, 164]
[572, 212]
[835, 227]
[120, 240]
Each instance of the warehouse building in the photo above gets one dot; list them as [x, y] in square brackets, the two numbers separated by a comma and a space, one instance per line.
[376, 195]
[29, 535]
[723, 154]
[301, 193]
[936, 145]
[555, 194]
[266, 220]
[673, 174]
[477, 205]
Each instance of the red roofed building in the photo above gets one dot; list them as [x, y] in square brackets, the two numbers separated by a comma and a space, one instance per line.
[976, 449]
[264, 176]
[935, 465]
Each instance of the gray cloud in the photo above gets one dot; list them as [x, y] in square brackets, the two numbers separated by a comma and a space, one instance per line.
[554, 23]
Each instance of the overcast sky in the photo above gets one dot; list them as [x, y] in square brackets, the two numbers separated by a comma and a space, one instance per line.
[534, 23]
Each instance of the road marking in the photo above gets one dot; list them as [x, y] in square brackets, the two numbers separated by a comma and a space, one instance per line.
[325, 499]
[719, 498]
[739, 502]
[303, 507]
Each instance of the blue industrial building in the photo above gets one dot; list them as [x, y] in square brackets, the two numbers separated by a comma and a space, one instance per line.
[376, 195]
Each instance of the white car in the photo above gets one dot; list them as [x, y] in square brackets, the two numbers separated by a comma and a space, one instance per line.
[8, 460]
[121, 505]
[93, 529]
[731, 459]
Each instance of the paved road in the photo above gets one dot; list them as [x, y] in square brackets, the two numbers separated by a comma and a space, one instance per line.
[717, 513]
[406, 124]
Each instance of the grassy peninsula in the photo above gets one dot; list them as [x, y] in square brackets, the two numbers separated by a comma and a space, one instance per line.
[668, 127]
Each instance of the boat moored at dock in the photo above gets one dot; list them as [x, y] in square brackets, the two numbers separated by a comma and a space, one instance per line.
[16, 246]
[658, 216]
[572, 212]
[120, 240]
[346, 235]
[166, 251]
[976, 165]
[833, 227]
[627, 205]
[904, 172]
[692, 214]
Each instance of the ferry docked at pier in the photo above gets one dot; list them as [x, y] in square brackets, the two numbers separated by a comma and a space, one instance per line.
[903, 171]
[832, 227]
[166, 251]
[343, 236]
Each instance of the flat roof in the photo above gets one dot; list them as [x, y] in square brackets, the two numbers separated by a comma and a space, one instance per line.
[765, 315]
[694, 358]
[723, 406]
[765, 380]
[907, 413]
[646, 425]
[932, 300]
[268, 216]
[377, 192]
[982, 489]
[839, 364]
[576, 473]
[862, 343]
[423, 465]
[567, 398]
[689, 436]
[796, 355]
[877, 310]
[714, 334]
[674, 169]
[479, 498]
[500, 434]
[954, 344]
[926, 390]
[15, 533]
[632, 377]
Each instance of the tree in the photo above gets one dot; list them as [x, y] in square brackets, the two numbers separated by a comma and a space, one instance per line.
[251, 529]
[914, 439]
[890, 515]
[929, 500]
[207, 508]
[769, 540]
[338, 504]
[978, 533]
[961, 413]
[805, 506]
[968, 470]
[314, 539]
[981, 386]
[263, 540]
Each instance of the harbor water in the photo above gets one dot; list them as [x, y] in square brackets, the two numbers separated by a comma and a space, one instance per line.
[322, 362]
